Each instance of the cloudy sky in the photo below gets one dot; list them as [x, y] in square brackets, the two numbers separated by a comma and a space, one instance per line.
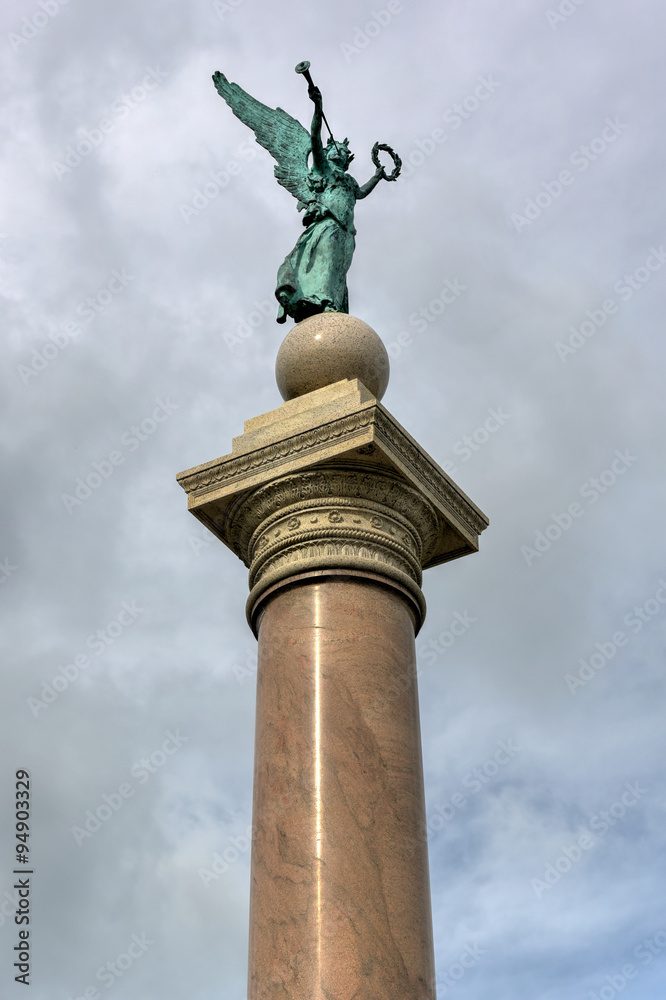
[140, 238]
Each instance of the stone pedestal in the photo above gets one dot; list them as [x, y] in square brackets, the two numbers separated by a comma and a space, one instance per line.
[336, 511]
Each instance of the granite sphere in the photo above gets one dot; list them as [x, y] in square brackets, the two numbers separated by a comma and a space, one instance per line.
[326, 348]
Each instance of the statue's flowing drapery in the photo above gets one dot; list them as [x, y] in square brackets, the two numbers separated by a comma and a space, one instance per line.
[313, 277]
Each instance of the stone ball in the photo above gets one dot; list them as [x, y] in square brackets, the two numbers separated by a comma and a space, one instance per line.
[326, 348]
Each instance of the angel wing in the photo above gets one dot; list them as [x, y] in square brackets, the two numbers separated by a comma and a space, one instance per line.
[285, 139]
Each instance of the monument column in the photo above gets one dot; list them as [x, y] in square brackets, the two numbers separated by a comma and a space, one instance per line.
[340, 898]
[336, 511]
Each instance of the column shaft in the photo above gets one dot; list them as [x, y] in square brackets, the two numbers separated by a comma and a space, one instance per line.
[340, 896]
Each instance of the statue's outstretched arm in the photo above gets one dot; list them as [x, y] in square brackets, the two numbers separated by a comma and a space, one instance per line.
[365, 189]
[318, 155]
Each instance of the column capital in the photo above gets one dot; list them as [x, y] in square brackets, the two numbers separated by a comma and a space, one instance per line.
[331, 481]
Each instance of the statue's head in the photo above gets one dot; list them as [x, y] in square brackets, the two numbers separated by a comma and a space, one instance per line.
[338, 153]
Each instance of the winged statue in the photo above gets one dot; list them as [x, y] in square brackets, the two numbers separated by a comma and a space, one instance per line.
[313, 277]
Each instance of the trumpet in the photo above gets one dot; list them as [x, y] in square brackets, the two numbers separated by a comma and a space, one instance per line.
[304, 69]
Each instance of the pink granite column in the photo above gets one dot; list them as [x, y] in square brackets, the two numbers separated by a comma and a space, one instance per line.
[340, 897]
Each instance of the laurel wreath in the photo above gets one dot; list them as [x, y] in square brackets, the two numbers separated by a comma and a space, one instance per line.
[397, 162]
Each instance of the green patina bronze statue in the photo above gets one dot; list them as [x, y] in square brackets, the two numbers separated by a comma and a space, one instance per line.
[313, 277]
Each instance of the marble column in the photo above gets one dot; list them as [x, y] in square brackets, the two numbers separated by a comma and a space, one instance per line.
[336, 511]
[340, 897]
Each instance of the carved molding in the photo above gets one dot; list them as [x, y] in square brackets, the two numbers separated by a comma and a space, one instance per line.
[420, 465]
[333, 518]
[352, 486]
[351, 525]
[218, 474]
[336, 556]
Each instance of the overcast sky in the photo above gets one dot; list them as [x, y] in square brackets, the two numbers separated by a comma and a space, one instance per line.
[140, 240]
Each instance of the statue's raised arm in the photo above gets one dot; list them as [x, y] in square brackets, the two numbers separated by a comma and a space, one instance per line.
[313, 277]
